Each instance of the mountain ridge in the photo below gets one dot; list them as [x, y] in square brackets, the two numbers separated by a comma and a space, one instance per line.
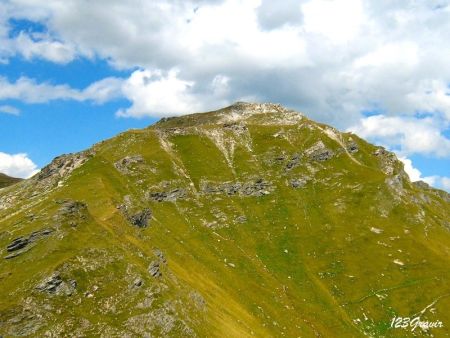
[6, 180]
[251, 220]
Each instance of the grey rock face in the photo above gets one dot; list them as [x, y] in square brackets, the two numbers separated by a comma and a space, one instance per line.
[236, 127]
[256, 188]
[241, 219]
[63, 165]
[318, 152]
[17, 244]
[293, 162]
[21, 244]
[297, 182]
[55, 285]
[352, 148]
[387, 160]
[322, 155]
[73, 208]
[155, 266]
[167, 196]
[141, 219]
[154, 270]
[124, 165]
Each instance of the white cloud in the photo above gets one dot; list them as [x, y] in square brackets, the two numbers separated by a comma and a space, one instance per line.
[17, 165]
[28, 90]
[337, 20]
[329, 58]
[42, 46]
[7, 109]
[415, 175]
[157, 94]
[406, 135]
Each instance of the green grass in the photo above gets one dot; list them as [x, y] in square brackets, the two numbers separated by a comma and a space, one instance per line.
[304, 263]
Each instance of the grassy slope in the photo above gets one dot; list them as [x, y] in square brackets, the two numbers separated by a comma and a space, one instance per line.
[304, 263]
[6, 180]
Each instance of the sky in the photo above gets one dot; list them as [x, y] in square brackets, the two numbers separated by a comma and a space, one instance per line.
[75, 72]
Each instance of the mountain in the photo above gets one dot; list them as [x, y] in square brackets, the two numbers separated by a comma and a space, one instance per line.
[249, 221]
[6, 180]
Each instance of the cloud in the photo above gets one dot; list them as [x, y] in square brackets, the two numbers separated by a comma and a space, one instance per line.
[406, 135]
[339, 21]
[414, 174]
[29, 91]
[157, 94]
[42, 46]
[6, 109]
[17, 165]
[331, 59]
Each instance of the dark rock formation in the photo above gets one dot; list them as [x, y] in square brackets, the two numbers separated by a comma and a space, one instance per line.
[293, 162]
[141, 218]
[73, 208]
[124, 165]
[62, 165]
[154, 270]
[297, 182]
[155, 266]
[167, 196]
[55, 285]
[255, 188]
[21, 244]
[17, 244]
[318, 152]
[352, 148]
[236, 127]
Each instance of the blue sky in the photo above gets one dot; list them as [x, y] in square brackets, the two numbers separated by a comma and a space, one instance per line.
[76, 74]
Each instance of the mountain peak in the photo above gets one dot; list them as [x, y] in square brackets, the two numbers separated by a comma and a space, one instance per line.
[245, 221]
[237, 112]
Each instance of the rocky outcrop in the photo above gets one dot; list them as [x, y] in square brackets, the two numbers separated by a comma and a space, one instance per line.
[238, 128]
[319, 152]
[167, 196]
[256, 188]
[155, 266]
[352, 147]
[141, 219]
[23, 243]
[55, 285]
[387, 160]
[298, 182]
[293, 162]
[125, 164]
[71, 212]
[62, 166]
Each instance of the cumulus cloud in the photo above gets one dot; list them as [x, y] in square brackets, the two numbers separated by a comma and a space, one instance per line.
[157, 94]
[331, 58]
[17, 165]
[406, 135]
[414, 174]
[42, 46]
[29, 91]
[7, 109]
[152, 92]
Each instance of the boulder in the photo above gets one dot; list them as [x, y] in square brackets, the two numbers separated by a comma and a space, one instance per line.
[141, 219]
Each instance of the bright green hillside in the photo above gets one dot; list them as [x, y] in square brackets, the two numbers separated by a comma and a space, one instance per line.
[251, 221]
